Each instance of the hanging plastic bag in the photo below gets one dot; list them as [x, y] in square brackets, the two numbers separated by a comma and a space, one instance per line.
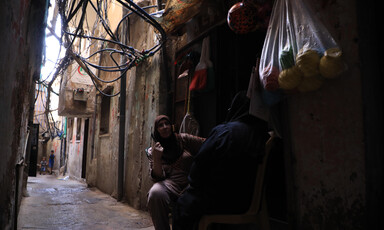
[257, 107]
[298, 53]
[203, 70]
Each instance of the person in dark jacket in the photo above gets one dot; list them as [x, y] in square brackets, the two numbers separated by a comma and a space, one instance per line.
[223, 173]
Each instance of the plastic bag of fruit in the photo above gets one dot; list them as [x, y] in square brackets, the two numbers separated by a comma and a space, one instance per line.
[299, 53]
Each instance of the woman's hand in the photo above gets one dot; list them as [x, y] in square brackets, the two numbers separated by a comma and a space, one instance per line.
[157, 151]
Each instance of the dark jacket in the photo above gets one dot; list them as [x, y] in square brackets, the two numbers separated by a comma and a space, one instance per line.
[225, 168]
[223, 173]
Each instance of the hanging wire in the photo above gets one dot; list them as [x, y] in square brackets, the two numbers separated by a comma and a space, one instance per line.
[76, 28]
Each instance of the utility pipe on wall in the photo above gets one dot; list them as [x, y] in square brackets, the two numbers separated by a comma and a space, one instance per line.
[123, 87]
[120, 168]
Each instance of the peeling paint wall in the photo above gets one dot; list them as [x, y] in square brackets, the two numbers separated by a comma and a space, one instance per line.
[143, 107]
[104, 162]
[20, 61]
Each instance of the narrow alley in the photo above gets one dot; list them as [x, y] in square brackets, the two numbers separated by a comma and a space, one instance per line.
[83, 83]
[60, 203]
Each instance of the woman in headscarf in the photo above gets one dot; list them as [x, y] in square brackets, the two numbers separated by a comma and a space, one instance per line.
[170, 160]
[224, 171]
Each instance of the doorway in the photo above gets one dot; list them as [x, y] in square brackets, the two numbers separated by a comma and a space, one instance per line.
[85, 148]
[233, 57]
[34, 142]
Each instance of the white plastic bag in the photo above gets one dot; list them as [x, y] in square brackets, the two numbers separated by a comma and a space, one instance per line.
[298, 53]
[256, 107]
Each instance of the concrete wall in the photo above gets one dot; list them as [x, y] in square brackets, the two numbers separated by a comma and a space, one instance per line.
[91, 164]
[146, 98]
[142, 108]
[107, 149]
[326, 160]
[20, 60]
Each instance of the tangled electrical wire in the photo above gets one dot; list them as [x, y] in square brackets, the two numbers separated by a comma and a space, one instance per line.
[76, 29]
[81, 34]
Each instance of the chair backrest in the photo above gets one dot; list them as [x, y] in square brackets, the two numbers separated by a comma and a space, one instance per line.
[259, 183]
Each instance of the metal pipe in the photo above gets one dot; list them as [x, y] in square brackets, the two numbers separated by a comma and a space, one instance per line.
[120, 170]
[123, 89]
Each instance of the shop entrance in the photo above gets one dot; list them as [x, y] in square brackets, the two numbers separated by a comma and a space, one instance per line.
[233, 57]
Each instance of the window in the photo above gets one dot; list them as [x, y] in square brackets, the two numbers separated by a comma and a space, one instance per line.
[105, 111]
[70, 128]
[78, 129]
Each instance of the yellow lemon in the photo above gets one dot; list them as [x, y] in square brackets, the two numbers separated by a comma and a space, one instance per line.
[290, 78]
[308, 62]
[331, 64]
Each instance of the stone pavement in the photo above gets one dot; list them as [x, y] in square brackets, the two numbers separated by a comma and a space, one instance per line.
[62, 203]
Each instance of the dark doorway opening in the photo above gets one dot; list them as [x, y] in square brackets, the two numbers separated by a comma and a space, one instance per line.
[233, 57]
[34, 140]
[85, 148]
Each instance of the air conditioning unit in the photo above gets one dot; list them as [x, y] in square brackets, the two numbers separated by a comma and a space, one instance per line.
[80, 94]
